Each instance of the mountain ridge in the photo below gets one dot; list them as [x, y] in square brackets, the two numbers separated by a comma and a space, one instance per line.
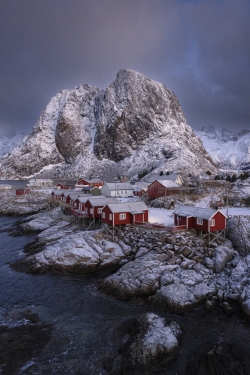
[228, 150]
[134, 124]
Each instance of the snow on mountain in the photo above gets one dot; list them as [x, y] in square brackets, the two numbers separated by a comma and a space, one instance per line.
[7, 144]
[227, 149]
[135, 124]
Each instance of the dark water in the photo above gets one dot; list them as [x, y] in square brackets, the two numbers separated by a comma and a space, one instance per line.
[86, 321]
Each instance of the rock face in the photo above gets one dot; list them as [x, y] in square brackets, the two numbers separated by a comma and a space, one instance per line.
[239, 233]
[135, 124]
[152, 345]
[7, 144]
[227, 149]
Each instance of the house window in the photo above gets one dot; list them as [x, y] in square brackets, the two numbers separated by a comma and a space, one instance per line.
[122, 192]
[110, 216]
[75, 204]
[91, 210]
[122, 216]
[212, 223]
[99, 210]
[199, 221]
[125, 191]
[86, 210]
[103, 215]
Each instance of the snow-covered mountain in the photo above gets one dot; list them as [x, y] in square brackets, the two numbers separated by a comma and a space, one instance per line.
[7, 144]
[227, 149]
[135, 124]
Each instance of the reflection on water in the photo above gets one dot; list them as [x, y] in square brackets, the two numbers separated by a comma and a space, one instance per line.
[86, 321]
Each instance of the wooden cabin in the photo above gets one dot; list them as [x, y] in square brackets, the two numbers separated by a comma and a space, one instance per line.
[86, 182]
[174, 177]
[94, 206]
[160, 188]
[202, 219]
[22, 191]
[63, 187]
[80, 201]
[125, 213]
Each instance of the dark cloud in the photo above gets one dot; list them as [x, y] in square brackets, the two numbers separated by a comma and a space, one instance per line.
[199, 49]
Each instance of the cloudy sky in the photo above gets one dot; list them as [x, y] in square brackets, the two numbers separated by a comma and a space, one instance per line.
[200, 49]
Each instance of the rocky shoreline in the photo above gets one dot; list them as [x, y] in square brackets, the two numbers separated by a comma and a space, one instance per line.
[176, 273]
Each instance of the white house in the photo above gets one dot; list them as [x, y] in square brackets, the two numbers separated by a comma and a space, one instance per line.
[118, 189]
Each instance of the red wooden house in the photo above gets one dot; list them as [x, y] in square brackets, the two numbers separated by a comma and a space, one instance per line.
[162, 188]
[22, 191]
[86, 182]
[203, 219]
[125, 213]
[94, 206]
[63, 186]
[56, 195]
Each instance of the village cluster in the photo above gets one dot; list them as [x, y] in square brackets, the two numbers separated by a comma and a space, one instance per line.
[93, 203]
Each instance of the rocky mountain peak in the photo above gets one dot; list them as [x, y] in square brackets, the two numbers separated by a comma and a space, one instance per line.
[135, 124]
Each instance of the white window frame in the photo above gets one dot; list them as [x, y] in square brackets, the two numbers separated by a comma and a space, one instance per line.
[103, 215]
[122, 216]
[86, 210]
[110, 216]
[212, 223]
[99, 210]
[91, 211]
[199, 221]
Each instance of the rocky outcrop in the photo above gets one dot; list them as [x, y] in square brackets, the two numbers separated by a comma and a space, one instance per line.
[177, 272]
[135, 124]
[35, 201]
[239, 233]
[152, 345]
[148, 343]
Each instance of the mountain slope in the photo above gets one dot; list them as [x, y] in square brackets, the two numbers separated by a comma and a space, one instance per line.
[135, 124]
[227, 149]
[7, 144]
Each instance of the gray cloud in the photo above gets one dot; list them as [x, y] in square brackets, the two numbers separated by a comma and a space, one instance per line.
[198, 49]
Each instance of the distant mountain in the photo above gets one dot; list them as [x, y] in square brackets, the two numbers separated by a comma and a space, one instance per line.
[134, 124]
[227, 149]
[7, 144]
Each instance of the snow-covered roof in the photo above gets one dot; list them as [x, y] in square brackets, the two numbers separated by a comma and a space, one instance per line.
[168, 183]
[201, 213]
[141, 184]
[86, 197]
[128, 207]
[102, 202]
[119, 186]
[154, 177]
[91, 181]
